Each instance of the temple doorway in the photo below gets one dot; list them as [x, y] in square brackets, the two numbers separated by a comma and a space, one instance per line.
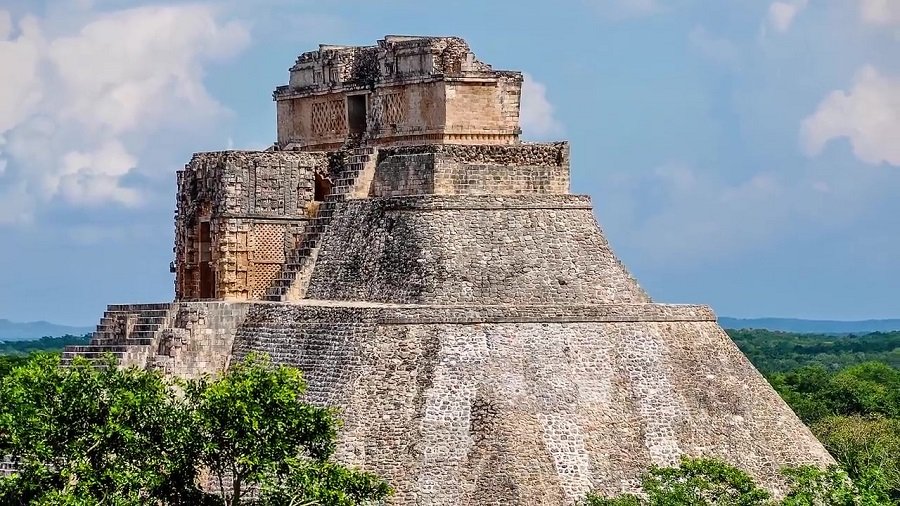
[356, 114]
[207, 274]
[322, 189]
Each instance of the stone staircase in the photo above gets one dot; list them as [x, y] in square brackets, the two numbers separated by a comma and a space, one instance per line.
[7, 467]
[127, 331]
[353, 182]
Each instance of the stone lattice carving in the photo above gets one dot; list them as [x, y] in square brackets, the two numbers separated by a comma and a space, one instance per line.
[387, 110]
[328, 117]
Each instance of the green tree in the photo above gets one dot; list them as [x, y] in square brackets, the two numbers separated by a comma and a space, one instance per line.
[92, 435]
[867, 389]
[694, 482]
[774, 352]
[87, 435]
[710, 482]
[10, 362]
[322, 483]
[870, 388]
[808, 391]
[42, 345]
[813, 486]
[867, 448]
[258, 433]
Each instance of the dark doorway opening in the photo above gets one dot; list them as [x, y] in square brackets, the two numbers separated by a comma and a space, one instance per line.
[207, 274]
[323, 188]
[356, 114]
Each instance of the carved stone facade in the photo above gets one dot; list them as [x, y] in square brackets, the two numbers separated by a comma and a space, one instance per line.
[460, 308]
[238, 214]
[402, 91]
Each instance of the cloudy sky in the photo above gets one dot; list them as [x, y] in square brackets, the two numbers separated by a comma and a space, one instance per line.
[744, 154]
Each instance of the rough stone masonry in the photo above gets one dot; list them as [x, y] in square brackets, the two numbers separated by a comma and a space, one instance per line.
[436, 281]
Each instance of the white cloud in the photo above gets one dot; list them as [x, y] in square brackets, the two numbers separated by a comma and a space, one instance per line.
[21, 88]
[783, 13]
[537, 114]
[5, 25]
[880, 12]
[77, 112]
[868, 116]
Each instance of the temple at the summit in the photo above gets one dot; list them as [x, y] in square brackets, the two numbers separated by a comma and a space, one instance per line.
[403, 91]
[435, 279]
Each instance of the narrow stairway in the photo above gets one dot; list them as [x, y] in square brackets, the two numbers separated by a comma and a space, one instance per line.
[292, 281]
[127, 331]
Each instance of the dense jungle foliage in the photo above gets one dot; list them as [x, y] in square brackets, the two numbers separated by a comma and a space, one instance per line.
[773, 352]
[44, 344]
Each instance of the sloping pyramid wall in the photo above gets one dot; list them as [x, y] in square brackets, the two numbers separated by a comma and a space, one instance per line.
[484, 345]
[493, 350]
[527, 249]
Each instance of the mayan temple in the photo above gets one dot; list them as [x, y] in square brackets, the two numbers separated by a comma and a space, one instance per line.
[435, 279]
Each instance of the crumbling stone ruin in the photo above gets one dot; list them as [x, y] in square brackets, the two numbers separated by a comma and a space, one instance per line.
[437, 282]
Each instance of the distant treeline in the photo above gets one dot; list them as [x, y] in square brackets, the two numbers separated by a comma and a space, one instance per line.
[44, 344]
[775, 352]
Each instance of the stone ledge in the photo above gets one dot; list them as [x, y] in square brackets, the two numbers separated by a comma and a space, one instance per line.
[481, 202]
[550, 154]
[334, 312]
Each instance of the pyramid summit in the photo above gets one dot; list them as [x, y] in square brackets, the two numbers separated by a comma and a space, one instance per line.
[437, 282]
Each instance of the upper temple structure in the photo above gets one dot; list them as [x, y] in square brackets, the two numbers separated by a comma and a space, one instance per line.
[437, 282]
[402, 91]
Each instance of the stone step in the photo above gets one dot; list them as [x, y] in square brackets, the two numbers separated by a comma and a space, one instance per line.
[150, 313]
[143, 341]
[140, 322]
[298, 258]
[165, 306]
[133, 333]
[147, 320]
[91, 348]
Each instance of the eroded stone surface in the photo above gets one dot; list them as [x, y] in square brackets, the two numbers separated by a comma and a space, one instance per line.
[515, 411]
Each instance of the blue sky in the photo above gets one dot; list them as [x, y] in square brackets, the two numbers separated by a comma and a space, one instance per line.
[744, 154]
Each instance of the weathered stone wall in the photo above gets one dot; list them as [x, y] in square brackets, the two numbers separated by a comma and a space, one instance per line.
[545, 154]
[531, 405]
[397, 175]
[535, 249]
[200, 339]
[255, 204]
[472, 170]
[476, 110]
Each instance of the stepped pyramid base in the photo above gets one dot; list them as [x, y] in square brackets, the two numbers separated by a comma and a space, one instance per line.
[493, 350]
[530, 404]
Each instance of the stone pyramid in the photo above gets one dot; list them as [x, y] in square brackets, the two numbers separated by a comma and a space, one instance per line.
[438, 283]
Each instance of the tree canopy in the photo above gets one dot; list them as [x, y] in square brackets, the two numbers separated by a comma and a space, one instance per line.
[85, 435]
